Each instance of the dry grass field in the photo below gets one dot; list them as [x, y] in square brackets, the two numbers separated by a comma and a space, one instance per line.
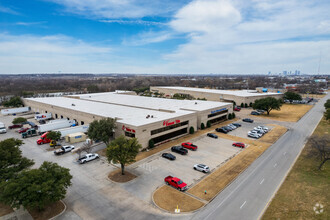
[288, 112]
[169, 198]
[5, 210]
[304, 187]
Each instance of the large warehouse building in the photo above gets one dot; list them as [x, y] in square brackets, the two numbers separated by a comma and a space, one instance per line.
[145, 118]
[237, 96]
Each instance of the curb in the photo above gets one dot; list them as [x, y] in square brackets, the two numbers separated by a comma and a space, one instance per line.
[52, 218]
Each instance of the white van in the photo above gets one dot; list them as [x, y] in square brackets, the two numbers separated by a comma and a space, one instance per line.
[2, 128]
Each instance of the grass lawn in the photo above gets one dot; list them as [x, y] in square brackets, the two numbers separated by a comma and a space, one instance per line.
[116, 176]
[304, 187]
[168, 198]
[288, 112]
[5, 210]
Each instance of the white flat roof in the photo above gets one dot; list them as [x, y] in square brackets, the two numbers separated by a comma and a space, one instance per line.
[152, 102]
[242, 93]
[127, 115]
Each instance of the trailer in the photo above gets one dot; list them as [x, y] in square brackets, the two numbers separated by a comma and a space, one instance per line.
[55, 125]
[75, 137]
[10, 111]
[71, 130]
[2, 128]
[43, 116]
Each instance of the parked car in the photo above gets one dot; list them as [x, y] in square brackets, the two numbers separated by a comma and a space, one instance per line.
[64, 149]
[257, 132]
[254, 135]
[239, 144]
[262, 127]
[248, 120]
[260, 130]
[260, 111]
[179, 150]
[228, 128]
[236, 108]
[22, 130]
[15, 126]
[176, 183]
[255, 113]
[222, 130]
[189, 145]
[212, 135]
[88, 157]
[237, 124]
[201, 167]
[168, 156]
[232, 126]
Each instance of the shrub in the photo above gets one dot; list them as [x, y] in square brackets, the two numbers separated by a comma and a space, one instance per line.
[19, 120]
[250, 104]
[242, 105]
[233, 115]
[229, 116]
[246, 105]
[202, 126]
[191, 130]
[208, 124]
[151, 144]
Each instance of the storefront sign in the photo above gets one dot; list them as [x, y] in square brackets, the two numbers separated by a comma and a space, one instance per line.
[219, 110]
[168, 123]
[128, 129]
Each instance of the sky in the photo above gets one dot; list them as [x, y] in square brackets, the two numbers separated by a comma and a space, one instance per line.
[164, 36]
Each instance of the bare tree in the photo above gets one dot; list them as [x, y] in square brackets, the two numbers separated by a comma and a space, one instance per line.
[87, 147]
[321, 143]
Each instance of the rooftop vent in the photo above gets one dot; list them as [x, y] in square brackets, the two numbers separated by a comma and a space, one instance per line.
[73, 104]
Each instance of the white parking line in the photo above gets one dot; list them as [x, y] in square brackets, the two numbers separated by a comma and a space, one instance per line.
[275, 164]
[262, 181]
[242, 204]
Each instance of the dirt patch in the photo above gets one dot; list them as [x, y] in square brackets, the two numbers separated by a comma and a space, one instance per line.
[102, 152]
[52, 148]
[178, 141]
[5, 210]
[49, 212]
[304, 187]
[169, 198]
[274, 134]
[288, 112]
[116, 176]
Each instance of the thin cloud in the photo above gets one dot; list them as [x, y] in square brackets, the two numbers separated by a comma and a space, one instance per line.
[133, 22]
[8, 10]
[30, 23]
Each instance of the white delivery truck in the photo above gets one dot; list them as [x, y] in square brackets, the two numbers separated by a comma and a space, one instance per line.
[55, 125]
[2, 128]
[43, 116]
[10, 111]
[71, 130]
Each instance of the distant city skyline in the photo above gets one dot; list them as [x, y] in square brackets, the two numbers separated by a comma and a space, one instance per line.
[159, 37]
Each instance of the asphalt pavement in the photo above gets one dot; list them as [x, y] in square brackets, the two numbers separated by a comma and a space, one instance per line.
[248, 196]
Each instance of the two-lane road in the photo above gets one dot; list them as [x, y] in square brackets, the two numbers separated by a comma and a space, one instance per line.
[248, 196]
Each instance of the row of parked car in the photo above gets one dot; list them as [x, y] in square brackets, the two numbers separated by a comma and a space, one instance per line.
[258, 132]
[228, 128]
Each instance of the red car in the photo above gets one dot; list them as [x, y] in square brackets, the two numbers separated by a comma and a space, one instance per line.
[176, 183]
[15, 126]
[237, 109]
[189, 145]
[239, 144]
[22, 130]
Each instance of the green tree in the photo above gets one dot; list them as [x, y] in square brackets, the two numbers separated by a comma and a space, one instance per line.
[250, 105]
[202, 126]
[19, 120]
[13, 102]
[11, 160]
[102, 129]
[191, 130]
[151, 144]
[327, 114]
[327, 104]
[268, 104]
[123, 151]
[292, 96]
[208, 124]
[230, 116]
[37, 188]
[54, 135]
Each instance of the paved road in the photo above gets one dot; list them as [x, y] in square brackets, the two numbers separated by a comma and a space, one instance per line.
[247, 197]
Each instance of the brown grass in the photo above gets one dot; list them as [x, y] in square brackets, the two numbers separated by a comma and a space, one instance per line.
[288, 112]
[5, 210]
[178, 141]
[274, 134]
[169, 198]
[317, 96]
[102, 152]
[49, 212]
[220, 178]
[116, 176]
[304, 186]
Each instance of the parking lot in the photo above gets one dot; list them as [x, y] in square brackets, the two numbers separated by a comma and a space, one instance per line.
[152, 171]
[245, 128]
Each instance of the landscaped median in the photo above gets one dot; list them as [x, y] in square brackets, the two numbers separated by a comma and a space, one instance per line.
[169, 199]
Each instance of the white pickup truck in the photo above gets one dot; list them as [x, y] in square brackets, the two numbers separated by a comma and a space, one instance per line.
[64, 149]
[88, 157]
